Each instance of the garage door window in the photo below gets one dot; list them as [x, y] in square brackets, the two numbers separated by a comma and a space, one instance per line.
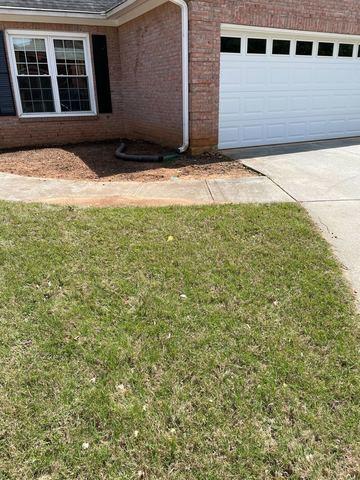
[326, 49]
[230, 45]
[281, 47]
[304, 48]
[346, 50]
[257, 46]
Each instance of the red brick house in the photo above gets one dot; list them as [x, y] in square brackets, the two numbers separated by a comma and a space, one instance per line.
[204, 73]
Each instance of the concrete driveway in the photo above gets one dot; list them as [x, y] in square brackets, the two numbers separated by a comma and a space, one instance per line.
[325, 178]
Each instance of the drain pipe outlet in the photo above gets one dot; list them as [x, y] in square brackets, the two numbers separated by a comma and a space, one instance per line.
[185, 72]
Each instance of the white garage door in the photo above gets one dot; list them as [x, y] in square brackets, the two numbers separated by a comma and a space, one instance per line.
[282, 87]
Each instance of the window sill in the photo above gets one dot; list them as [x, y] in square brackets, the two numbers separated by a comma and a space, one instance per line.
[58, 118]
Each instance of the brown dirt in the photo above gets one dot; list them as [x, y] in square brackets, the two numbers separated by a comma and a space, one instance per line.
[117, 201]
[96, 161]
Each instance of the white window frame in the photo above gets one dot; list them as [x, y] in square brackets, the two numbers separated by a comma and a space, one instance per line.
[49, 37]
[257, 37]
[326, 57]
[346, 43]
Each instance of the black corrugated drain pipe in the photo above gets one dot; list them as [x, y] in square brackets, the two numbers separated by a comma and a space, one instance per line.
[120, 153]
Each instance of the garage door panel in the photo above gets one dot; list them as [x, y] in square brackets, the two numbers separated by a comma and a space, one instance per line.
[337, 126]
[276, 131]
[353, 102]
[354, 125]
[254, 105]
[289, 109]
[297, 130]
[253, 132]
[230, 135]
[299, 75]
[340, 102]
[279, 76]
[232, 77]
[341, 74]
[320, 104]
[255, 76]
[267, 99]
[277, 104]
[318, 127]
[230, 106]
[322, 76]
[298, 103]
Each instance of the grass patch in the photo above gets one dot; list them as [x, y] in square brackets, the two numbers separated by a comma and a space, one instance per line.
[108, 372]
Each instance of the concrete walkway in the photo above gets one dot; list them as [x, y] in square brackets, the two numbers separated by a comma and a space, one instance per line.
[176, 192]
[325, 178]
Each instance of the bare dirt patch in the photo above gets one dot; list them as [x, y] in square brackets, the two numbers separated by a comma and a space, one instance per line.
[97, 161]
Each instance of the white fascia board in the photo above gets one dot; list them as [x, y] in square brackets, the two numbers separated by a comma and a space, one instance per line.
[65, 20]
[238, 30]
[46, 16]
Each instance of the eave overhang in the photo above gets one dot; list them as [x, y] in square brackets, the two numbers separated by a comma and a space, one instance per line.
[114, 17]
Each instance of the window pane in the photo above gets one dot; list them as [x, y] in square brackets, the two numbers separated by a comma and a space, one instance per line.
[36, 94]
[230, 45]
[281, 47]
[304, 48]
[256, 45]
[29, 44]
[33, 69]
[30, 56]
[346, 50]
[74, 94]
[22, 69]
[33, 75]
[72, 80]
[20, 56]
[70, 57]
[81, 69]
[326, 49]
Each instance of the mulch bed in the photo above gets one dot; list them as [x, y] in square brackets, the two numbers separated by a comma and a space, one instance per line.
[96, 161]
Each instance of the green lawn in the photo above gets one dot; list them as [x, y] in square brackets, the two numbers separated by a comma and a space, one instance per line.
[108, 372]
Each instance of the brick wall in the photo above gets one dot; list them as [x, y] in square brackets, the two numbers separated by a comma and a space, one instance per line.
[15, 132]
[206, 17]
[145, 69]
[145, 76]
[151, 82]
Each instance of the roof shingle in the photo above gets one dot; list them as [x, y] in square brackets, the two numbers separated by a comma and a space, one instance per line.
[93, 6]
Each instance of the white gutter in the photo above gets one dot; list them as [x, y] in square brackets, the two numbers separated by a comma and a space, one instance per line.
[185, 71]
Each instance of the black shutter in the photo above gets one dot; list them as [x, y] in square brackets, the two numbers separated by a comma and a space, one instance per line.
[6, 95]
[102, 76]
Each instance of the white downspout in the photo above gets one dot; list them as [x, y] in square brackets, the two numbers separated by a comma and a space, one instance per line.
[185, 72]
